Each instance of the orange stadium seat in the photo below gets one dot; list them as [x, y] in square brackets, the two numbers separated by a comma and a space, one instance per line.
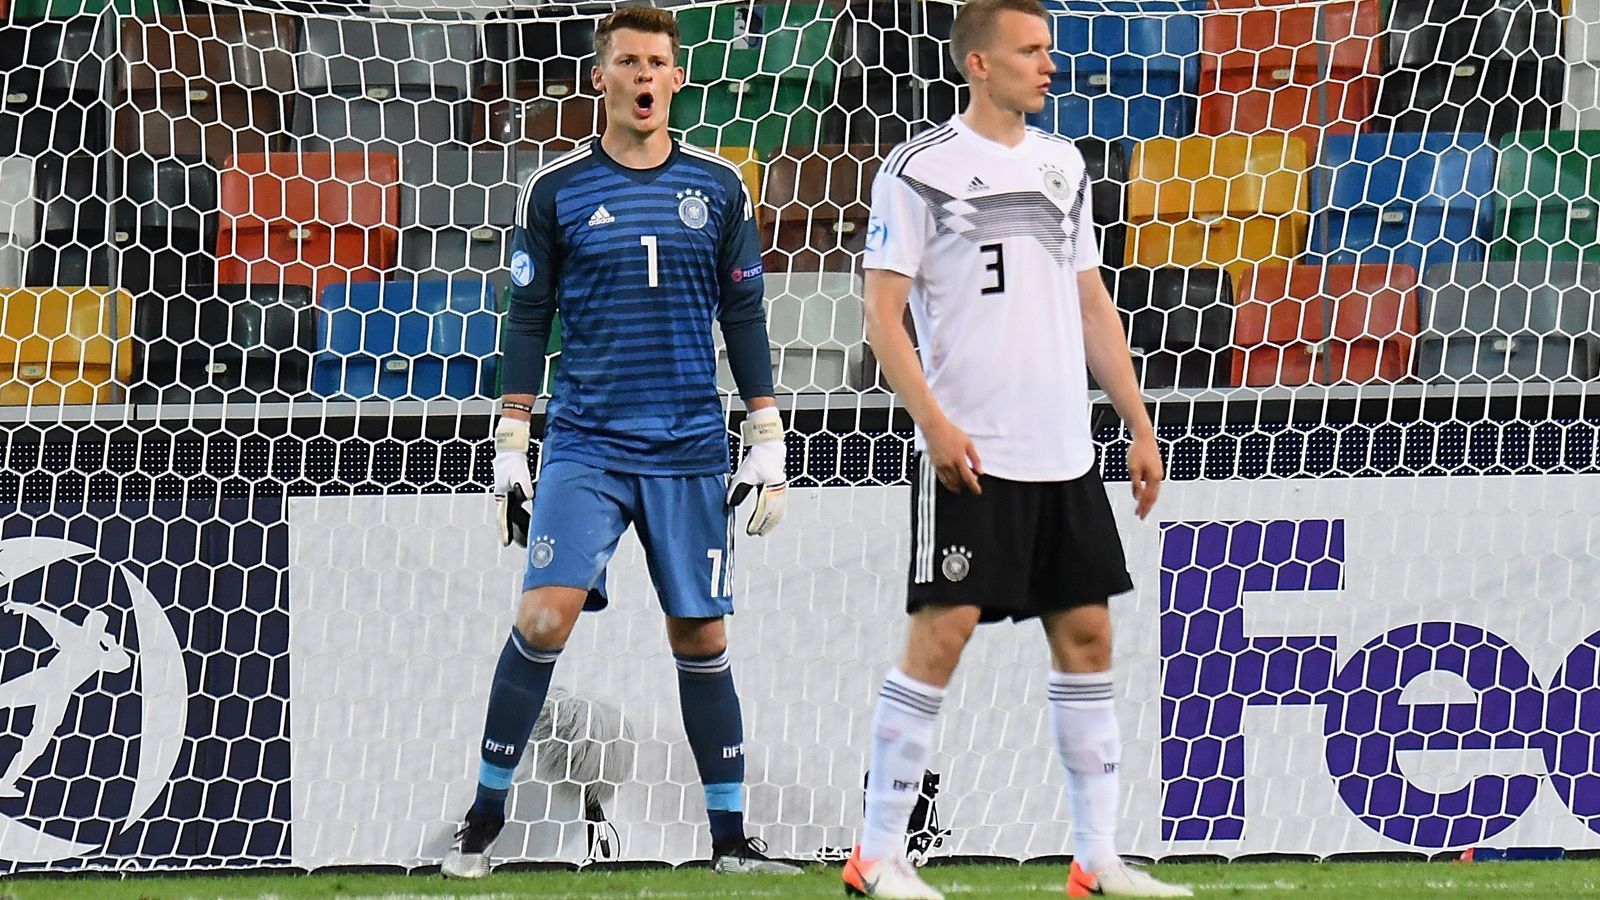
[818, 202]
[211, 85]
[1330, 325]
[64, 345]
[1232, 202]
[1263, 70]
[313, 219]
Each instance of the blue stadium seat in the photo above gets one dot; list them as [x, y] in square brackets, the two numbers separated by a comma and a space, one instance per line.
[1123, 76]
[1414, 198]
[407, 339]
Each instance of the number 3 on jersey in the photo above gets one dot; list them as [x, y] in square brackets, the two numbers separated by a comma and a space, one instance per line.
[994, 263]
[649, 242]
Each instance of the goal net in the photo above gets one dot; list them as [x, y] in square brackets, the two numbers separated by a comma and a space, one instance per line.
[252, 274]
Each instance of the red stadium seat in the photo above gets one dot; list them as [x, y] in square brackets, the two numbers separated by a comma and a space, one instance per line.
[312, 219]
[1262, 70]
[1334, 324]
[817, 201]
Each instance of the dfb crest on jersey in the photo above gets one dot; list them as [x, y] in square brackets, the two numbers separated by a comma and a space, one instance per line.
[692, 208]
[111, 667]
[521, 268]
[1055, 183]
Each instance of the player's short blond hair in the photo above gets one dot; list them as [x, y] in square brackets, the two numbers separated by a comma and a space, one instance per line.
[974, 25]
[647, 19]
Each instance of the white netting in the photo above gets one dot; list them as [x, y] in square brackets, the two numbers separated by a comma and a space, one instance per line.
[252, 270]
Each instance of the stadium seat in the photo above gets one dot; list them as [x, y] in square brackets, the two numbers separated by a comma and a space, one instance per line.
[547, 116]
[74, 246]
[456, 209]
[816, 324]
[62, 9]
[214, 84]
[1233, 201]
[1547, 197]
[166, 224]
[1507, 321]
[896, 77]
[311, 219]
[64, 345]
[1108, 169]
[238, 343]
[56, 85]
[1310, 70]
[1403, 197]
[1325, 324]
[375, 86]
[1471, 65]
[407, 339]
[818, 202]
[1582, 106]
[758, 75]
[1121, 75]
[538, 45]
[18, 217]
[1180, 325]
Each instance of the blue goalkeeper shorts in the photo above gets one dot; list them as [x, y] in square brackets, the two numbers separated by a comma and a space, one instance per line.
[580, 513]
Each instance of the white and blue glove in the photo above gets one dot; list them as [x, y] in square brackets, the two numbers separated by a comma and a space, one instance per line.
[513, 483]
[763, 468]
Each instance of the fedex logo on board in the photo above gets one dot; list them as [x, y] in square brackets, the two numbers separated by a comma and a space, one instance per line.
[1406, 698]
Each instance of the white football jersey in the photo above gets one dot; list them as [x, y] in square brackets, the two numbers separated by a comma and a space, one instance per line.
[994, 238]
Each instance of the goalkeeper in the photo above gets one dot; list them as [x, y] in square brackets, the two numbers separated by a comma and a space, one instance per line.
[643, 243]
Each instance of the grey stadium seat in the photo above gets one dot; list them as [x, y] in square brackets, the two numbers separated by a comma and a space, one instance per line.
[1510, 321]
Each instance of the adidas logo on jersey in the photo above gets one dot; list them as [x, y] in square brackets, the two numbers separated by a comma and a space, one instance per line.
[601, 217]
[976, 184]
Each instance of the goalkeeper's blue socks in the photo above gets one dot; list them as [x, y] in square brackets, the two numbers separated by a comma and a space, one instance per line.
[521, 680]
[716, 737]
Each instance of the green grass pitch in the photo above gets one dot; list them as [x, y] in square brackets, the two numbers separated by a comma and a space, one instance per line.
[1379, 881]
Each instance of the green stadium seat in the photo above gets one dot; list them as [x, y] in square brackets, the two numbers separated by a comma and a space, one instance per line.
[61, 9]
[758, 76]
[1547, 197]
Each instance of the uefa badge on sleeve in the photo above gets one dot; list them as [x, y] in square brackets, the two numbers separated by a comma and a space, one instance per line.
[692, 208]
[877, 234]
[521, 268]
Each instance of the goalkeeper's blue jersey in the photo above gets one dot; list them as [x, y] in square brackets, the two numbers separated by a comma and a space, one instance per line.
[641, 264]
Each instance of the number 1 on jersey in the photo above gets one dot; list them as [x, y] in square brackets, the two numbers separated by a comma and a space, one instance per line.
[649, 242]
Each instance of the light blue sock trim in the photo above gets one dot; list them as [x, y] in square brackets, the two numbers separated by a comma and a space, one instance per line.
[725, 797]
[493, 777]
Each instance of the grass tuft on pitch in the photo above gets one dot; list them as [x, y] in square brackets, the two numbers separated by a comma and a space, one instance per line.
[1378, 881]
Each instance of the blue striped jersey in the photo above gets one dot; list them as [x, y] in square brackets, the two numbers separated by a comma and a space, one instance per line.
[641, 263]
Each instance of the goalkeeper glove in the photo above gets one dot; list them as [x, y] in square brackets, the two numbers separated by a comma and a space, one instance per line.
[763, 467]
[513, 484]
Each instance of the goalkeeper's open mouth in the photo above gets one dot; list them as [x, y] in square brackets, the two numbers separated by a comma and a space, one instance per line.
[644, 104]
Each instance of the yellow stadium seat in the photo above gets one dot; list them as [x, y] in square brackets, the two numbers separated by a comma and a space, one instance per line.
[60, 344]
[1232, 201]
[749, 163]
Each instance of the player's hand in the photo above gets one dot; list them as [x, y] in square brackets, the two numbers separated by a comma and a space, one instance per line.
[513, 483]
[954, 457]
[763, 467]
[1146, 473]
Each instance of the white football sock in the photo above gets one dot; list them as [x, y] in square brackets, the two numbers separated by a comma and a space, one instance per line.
[1083, 710]
[902, 741]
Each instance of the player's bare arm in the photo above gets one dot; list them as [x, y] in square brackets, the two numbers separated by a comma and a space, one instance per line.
[954, 457]
[1106, 349]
